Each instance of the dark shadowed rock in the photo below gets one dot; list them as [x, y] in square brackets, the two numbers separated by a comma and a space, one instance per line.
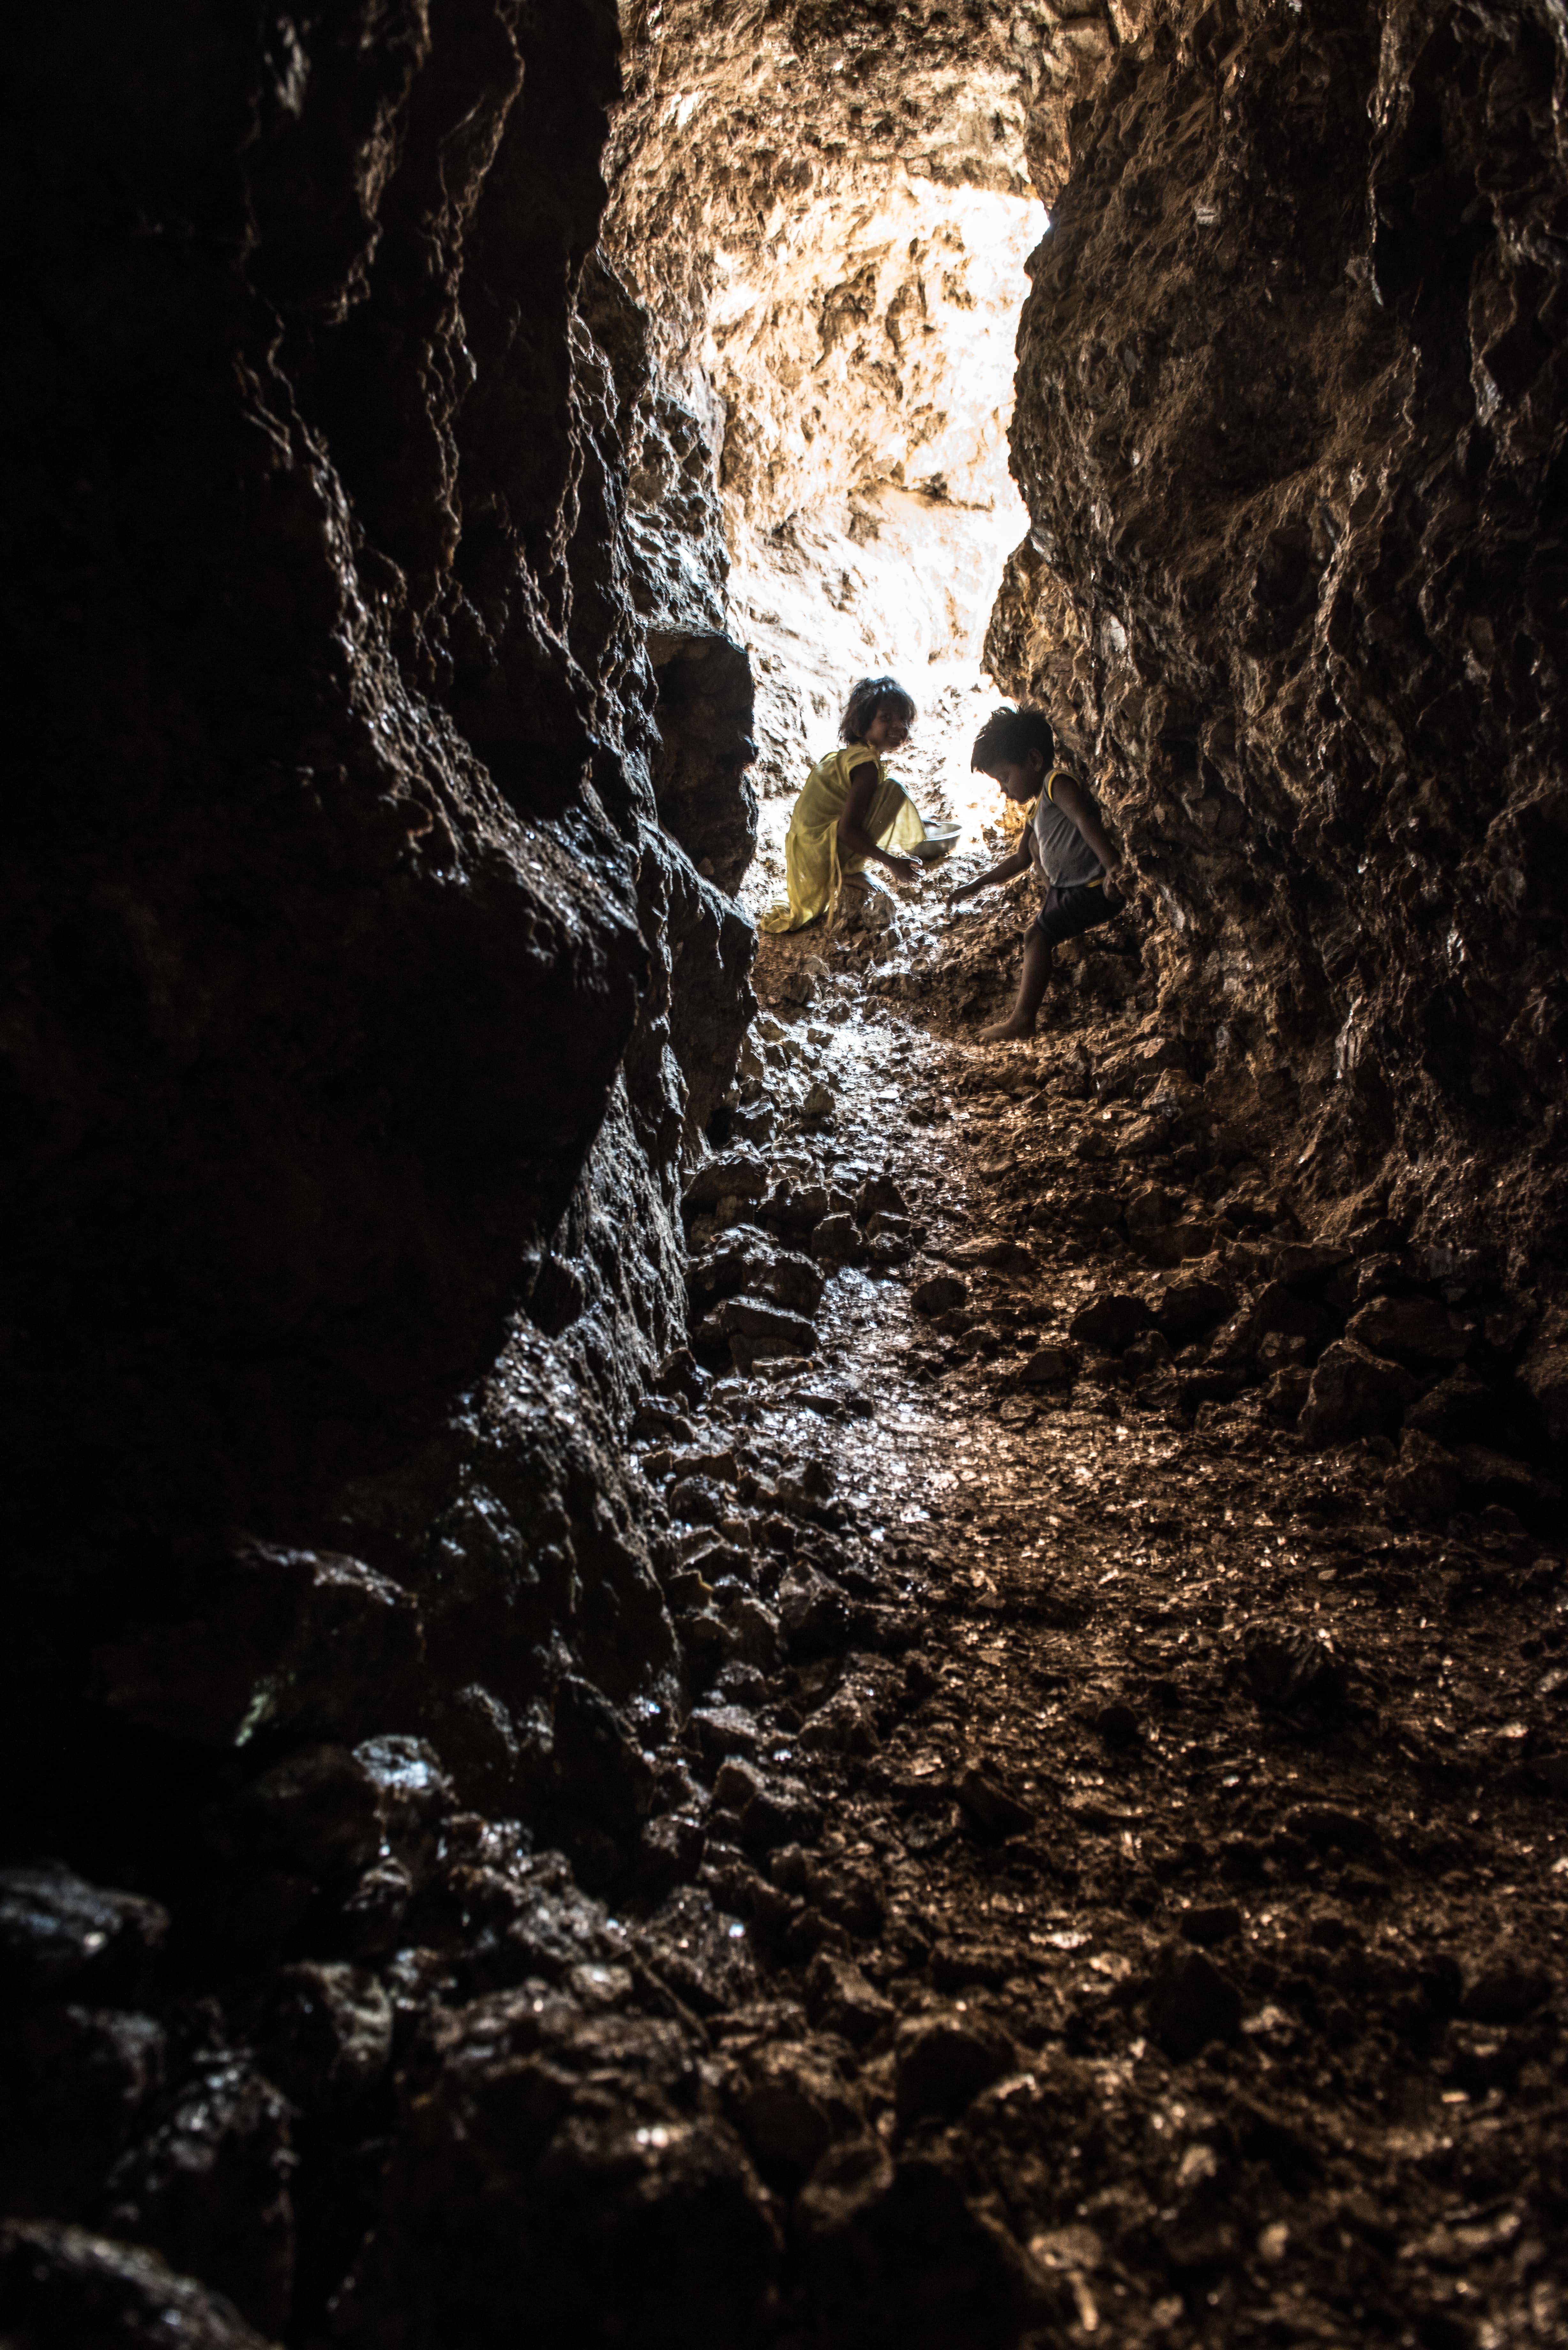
[1287, 1667]
[1188, 1308]
[942, 2062]
[938, 1294]
[1354, 1393]
[840, 1999]
[990, 1804]
[1415, 1330]
[1111, 1322]
[62, 2288]
[1190, 2002]
[210, 2187]
[1209, 1923]
[1426, 1482]
[895, 2253]
[730, 1174]
[62, 1937]
[790, 2105]
[1506, 1988]
[879, 1196]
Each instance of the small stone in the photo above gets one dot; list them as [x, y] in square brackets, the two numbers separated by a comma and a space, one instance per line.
[818, 1101]
[813, 1616]
[1212, 1923]
[1452, 1411]
[879, 1196]
[1505, 1988]
[1427, 1481]
[1286, 1667]
[1111, 1322]
[1410, 1329]
[1118, 1724]
[1051, 1366]
[735, 1174]
[786, 2111]
[1148, 1208]
[938, 1294]
[1191, 2002]
[991, 1805]
[736, 1784]
[840, 1999]
[722, 1731]
[996, 1255]
[1497, 1477]
[1353, 1394]
[1285, 1396]
[941, 2063]
[63, 2286]
[1308, 1266]
[756, 1331]
[838, 1239]
[703, 1954]
[62, 1937]
[1096, 1209]
[1190, 1306]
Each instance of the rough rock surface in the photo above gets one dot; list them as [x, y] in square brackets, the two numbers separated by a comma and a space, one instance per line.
[1290, 429]
[364, 1011]
[825, 215]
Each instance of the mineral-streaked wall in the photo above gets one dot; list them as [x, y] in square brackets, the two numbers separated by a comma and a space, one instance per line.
[1290, 427]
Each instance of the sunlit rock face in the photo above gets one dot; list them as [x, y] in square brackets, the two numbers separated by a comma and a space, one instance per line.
[1289, 431]
[825, 213]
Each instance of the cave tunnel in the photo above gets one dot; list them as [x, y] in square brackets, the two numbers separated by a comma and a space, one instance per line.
[691, 1656]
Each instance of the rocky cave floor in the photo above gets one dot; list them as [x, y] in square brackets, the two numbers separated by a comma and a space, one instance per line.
[1156, 1828]
[1106, 1885]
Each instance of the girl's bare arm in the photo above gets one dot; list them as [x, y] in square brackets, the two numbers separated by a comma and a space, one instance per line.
[852, 833]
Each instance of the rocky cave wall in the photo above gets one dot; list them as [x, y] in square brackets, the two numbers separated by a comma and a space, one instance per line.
[1290, 427]
[362, 1013]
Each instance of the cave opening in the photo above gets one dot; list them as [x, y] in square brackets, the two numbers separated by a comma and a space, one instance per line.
[832, 319]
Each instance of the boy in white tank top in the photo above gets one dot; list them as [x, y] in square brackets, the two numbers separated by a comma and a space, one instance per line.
[1067, 842]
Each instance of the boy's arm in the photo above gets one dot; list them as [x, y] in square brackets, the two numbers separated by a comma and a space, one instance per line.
[1008, 870]
[1071, 799]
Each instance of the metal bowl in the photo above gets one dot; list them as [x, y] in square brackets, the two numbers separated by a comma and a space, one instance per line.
[940, 837]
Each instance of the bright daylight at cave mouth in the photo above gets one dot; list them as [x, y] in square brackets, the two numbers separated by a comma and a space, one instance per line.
[785, 1341]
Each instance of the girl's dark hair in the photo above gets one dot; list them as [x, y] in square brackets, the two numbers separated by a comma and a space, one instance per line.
[868, 701]
[1007, 738]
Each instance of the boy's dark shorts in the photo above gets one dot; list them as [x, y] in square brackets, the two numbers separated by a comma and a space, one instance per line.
[1078, 908]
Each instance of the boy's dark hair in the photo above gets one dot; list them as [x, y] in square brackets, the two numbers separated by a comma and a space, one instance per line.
[867, 703]
[1007, 738]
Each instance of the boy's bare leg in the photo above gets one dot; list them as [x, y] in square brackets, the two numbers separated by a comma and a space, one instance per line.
[1032, 984]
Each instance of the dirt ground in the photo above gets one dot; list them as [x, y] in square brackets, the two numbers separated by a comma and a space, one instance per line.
[1152, 1847]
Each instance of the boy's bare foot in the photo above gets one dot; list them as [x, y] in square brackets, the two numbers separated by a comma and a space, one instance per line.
[1002, 1032]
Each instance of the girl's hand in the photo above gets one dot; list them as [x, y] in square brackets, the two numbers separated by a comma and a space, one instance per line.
[904, 868]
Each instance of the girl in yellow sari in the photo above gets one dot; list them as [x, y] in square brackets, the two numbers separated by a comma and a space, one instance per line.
[851, 814]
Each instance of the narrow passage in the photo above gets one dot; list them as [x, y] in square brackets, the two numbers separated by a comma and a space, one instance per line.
[1138, 1824]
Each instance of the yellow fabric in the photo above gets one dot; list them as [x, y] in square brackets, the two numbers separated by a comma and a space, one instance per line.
[814, 868]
